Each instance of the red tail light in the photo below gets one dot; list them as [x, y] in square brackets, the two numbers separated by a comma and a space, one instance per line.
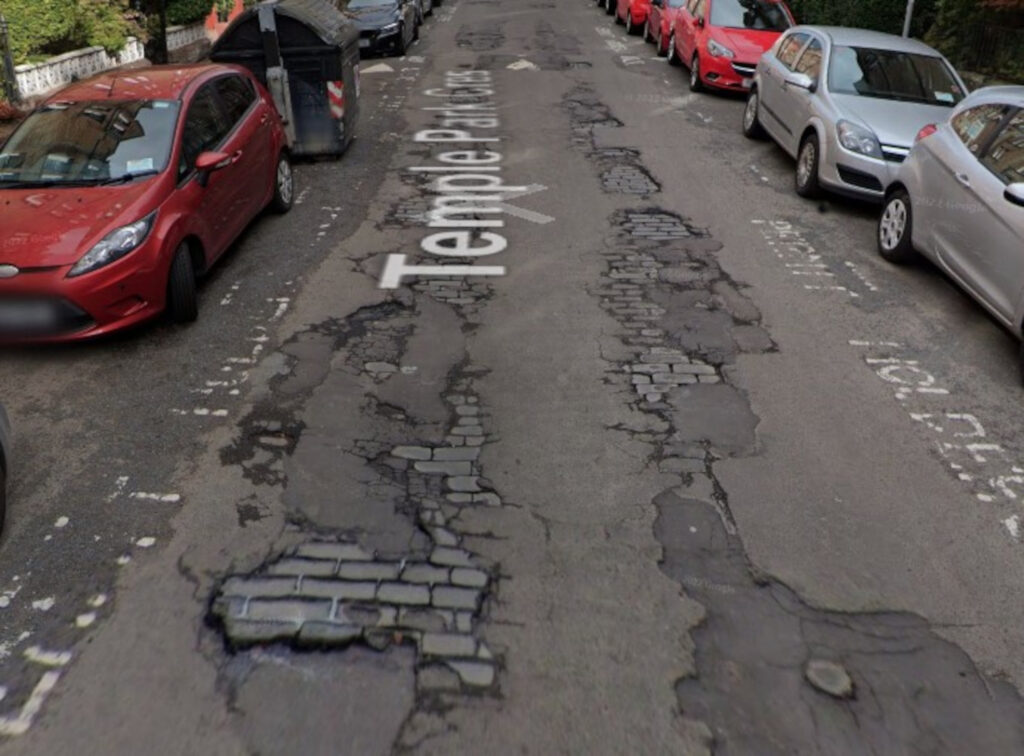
[927, 131]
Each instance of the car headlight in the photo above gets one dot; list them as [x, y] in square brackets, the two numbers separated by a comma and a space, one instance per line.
[389, 28]
[858, 139]
[114, 246]
[719, 50]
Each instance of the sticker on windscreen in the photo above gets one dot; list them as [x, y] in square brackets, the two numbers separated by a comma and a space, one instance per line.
[144, 164]
[945, 97]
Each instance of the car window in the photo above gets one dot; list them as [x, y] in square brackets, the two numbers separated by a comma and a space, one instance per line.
[790, 47]
[810, 61]
[1005, 157]
[205, 128]
[893, 75]
[698, 8]
[750, 14]
[975, 126]
[237, 95]
[90, 141]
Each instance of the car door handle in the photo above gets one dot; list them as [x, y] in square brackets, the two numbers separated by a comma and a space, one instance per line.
[963, 178]
[265, 119]
[236, 156]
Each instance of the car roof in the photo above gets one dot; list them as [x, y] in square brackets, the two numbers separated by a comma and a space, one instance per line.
[147, 83]
[848, 36]
[1006, 95]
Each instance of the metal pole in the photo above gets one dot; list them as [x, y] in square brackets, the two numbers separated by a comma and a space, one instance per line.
[910, 15]
[10, 79]
[162, 51]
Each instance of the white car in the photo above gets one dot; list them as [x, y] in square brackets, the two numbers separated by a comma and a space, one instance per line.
[959, 200]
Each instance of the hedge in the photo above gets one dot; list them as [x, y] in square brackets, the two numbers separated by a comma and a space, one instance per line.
[183, 12]
[50, 27]
[881, 15]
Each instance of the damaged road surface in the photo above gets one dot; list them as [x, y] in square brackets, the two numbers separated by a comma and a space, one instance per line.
[552, 422]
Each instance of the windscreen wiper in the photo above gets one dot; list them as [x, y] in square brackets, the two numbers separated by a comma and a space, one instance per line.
[124, 178]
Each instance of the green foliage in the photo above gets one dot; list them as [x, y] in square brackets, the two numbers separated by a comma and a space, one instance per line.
[881, 15]
[184, 12]
[50, 27]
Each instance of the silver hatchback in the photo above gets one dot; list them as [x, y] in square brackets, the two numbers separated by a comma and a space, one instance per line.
[847, 104]
[959, 200]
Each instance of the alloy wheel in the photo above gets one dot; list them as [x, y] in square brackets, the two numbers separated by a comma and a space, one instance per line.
[285, 183]
[805, 166]
[893, 224]
[750, 113]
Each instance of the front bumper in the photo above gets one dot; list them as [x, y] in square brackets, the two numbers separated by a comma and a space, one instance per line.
[727, 73]
[122, 294]
[372, 41]
[856, 175]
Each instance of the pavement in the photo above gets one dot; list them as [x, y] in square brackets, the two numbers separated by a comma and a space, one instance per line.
[643, 454]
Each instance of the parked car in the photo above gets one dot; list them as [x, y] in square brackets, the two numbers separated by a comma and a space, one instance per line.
[660, 22]
[720, 41]
[119, 190]
[959, 200]
[632, 13]
[5, 456]
[386, 25]
[847, 104]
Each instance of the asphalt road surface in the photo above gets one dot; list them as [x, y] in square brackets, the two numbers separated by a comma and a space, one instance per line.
[667, 462]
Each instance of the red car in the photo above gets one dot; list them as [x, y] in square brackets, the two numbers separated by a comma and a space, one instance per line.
[660, 21]
[720, 41]
[632, 13]
[118, 191]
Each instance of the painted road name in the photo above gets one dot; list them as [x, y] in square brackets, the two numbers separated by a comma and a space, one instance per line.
[469, 191]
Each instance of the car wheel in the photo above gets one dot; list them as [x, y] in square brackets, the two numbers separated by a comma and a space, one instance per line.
[430, 10]
[182, 303]
[3, 497]
[609, 8]
[662, 50]
[416, 30]
[617, 19]
[629, 22]
[696, 85]
[284, 185]
[895, 229]
[752, 128]
[646, 34]
[807, 167]
[673, 59]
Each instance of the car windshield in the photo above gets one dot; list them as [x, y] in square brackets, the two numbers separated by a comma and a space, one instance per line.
[676, 3]
[90, 142]
[357, 4]
[765, 15]
[891, 75]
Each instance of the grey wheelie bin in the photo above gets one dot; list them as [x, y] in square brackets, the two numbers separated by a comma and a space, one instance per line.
[307, 54]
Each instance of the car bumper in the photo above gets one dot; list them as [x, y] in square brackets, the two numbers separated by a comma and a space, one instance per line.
[640, 13]
[371, 41]
[727, 73]
[856, 175]
[120, 295]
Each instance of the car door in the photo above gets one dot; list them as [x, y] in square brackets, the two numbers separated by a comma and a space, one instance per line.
[982, 235]
[795, 105]
[776, 65]
[686, 29]
[249, 144]
[205, 129]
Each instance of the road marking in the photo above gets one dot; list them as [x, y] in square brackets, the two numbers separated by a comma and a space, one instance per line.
[522, 65]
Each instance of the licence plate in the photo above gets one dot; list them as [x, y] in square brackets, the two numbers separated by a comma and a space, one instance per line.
[364, 43]
[747, 83]
[27, 315]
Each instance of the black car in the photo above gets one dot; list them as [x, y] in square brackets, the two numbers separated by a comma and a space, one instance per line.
[385, 25]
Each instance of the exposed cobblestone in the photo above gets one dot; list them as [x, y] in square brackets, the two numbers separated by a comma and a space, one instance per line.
[333, 593]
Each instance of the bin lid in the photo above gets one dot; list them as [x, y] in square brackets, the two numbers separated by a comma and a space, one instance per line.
[300, 24]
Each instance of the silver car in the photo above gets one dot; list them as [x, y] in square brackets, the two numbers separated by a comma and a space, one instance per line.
[847, 104]
[959, 199]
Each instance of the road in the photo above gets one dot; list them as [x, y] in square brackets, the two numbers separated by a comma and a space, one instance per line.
[679, 465]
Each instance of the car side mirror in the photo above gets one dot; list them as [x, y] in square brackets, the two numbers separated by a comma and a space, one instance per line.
[208, 162]
[800, 81]
[657, 3]
[1015, 193]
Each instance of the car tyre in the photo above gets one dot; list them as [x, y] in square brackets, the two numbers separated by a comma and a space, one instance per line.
[3, 496]
[696, 84]
[416, 30]
[284, 185]
[609, 8]
[182, 301]
[671, 56]
[646, 34]
[752, 128]
[895, 229]
[630, 29]
[807, 162]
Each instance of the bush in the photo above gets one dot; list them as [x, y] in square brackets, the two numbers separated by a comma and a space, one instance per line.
[51, 27]
[880, 15]
[184, 12]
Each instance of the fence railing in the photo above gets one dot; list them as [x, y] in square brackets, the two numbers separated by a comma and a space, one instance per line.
[39, 78]
[997, 51]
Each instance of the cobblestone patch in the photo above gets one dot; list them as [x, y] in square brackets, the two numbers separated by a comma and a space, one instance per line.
[628, 179]
[331, 593]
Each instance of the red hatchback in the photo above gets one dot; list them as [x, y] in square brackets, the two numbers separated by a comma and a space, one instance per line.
[119, 190]
[660, 22]
[632, 13]
[721, 41]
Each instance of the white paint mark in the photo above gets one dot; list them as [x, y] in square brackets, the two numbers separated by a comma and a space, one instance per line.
[119, 485]
[85, 620]
[45, 604]
[123, 560]
[522, 65]
[8, 596]
[169, 498]
[98, 600]
[61, 522]
[20, 724]
[145, 542]
[378, 68]
[38, 655]
[1012, 524]
[48, 537]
